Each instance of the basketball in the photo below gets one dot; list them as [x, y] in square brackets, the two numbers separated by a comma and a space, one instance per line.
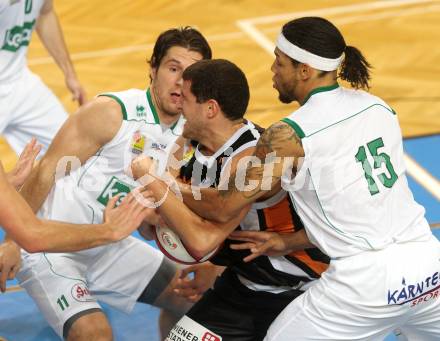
[172, 247]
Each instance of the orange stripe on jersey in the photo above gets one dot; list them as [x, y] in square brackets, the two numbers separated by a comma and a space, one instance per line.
[316, 266]
[278, 217]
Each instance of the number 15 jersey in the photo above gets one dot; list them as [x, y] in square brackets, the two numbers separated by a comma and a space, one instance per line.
[351, 190]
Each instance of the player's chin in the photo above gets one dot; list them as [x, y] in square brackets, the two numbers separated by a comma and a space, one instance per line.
[174, 109]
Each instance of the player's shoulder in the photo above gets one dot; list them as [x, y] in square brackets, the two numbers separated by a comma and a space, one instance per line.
[100, 116]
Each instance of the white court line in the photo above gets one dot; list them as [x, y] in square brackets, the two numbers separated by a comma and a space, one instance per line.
[335, 10]
[240, 34]
[249, 25]
[421, 175]
[376, 16]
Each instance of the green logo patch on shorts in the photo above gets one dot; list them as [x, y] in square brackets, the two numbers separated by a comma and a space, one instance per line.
[114, 187]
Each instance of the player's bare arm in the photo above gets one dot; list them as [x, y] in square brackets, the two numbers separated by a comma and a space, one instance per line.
[81, 136]
[36, 235]
[278, 150]
[199, 235]
[51, 34]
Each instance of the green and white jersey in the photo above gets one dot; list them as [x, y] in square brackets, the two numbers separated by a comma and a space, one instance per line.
[351, 190]
[17, 22]
[82, 196]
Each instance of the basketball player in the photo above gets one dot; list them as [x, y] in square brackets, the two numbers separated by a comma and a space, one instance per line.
[35, 235]
[29, 108]
[103, 137]
[248, 296]
[351, 192]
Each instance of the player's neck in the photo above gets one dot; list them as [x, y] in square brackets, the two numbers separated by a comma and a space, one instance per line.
[167, 119]
[216, 136]
[314, 83]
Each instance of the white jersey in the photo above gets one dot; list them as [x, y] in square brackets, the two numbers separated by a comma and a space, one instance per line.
[82, 196]
[17, 22]
[351, 191]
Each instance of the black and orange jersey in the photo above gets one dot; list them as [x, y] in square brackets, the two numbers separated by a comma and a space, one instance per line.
[275, 214]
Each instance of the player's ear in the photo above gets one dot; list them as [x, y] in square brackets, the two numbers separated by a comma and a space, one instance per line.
[153, 73]
[305, 71]
[212, 108]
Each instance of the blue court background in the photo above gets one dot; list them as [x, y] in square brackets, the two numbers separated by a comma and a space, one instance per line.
[20, 319]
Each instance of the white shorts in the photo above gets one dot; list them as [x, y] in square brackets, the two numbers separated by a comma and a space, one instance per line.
[65, 284]
[367, 296]
[29, 109]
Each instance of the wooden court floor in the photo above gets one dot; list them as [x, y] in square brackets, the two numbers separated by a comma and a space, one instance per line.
[110, 41]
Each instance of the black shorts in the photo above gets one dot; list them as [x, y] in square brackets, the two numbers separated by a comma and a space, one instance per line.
[237, 313]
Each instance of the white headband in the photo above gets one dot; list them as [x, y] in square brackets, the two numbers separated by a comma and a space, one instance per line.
[303, 56]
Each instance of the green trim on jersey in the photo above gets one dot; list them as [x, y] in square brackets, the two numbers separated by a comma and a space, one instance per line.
[320, 89]
[295, 127]
[153, 108]
[59, 275]
[117, 99]
[98, 154]
[360, 112]
[174, 125]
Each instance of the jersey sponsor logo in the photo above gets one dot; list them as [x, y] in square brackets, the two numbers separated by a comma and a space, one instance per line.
[189, 153]
[114, 187]
[81, 293]
[18, 36]
[210, 337]
[417, 292]
[159, 146]
[137, 145]
[140, 111]
[189, 330]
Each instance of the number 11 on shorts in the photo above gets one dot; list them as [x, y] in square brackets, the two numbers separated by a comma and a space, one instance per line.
[62, 302]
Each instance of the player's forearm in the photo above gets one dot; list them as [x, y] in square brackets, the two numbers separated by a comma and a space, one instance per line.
[62, 237]
[297, 241]
[203, 201]
[199, 235]
[50, 33]
[23, 227]
[208, 203]
[38, 185]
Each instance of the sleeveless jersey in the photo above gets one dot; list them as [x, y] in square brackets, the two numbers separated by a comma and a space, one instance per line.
[82, 196]
[17, 22]
[274, 214]
[351, 191]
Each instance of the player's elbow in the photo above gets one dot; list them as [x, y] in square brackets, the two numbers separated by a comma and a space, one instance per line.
[224, 218]
[203, 245]
[34, 240]
[31, 245]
